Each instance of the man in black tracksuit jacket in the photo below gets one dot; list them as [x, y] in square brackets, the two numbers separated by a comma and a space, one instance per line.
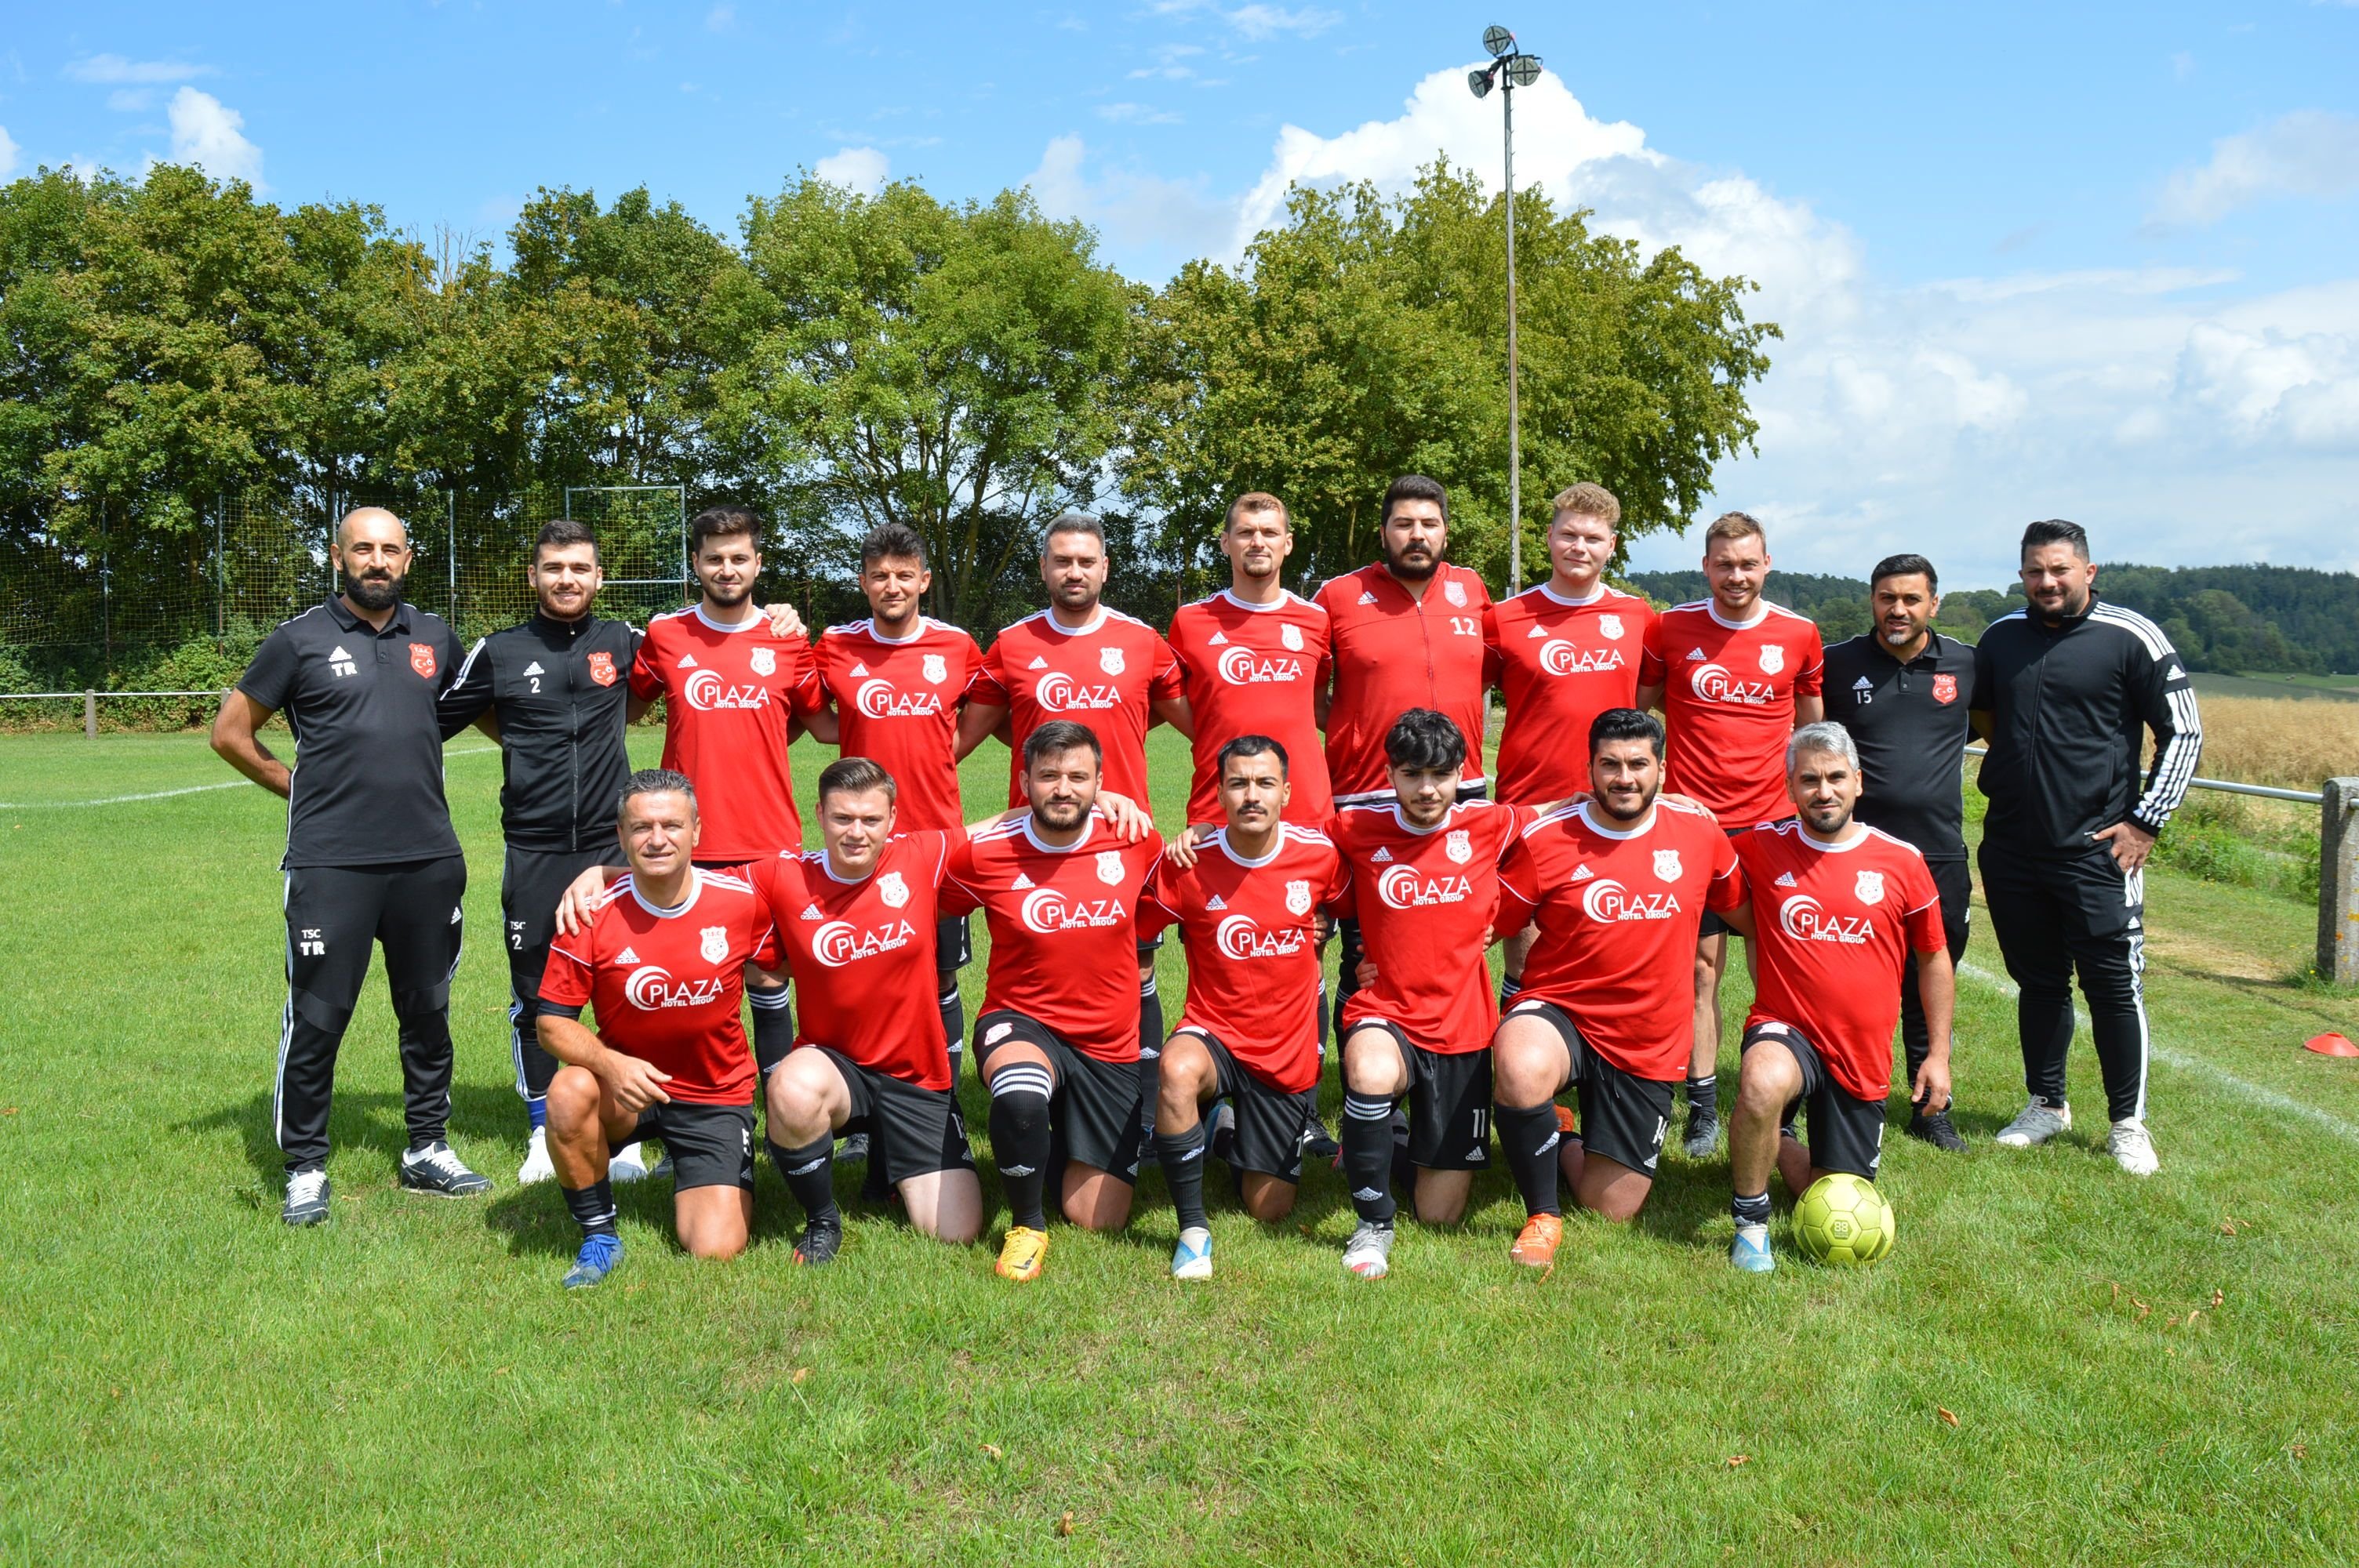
[2066, 689]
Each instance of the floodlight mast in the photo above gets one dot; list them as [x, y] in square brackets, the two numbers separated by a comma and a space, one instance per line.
[1510, 69]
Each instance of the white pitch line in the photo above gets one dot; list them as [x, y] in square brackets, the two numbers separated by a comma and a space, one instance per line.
[2197, 1066]
[169, 794]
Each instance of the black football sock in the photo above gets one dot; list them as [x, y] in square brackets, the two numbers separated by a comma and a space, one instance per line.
[1510, 987]
[1150, 1084]
[1368, 1156]
[774, 1025]
[593, 1207]
[1703, 1096]
[810, 1172]
[1150, 1017]
[1529, 1137]
[1753, 1210]
[1182, 1155]
[954, 1011]
[1019, 1139]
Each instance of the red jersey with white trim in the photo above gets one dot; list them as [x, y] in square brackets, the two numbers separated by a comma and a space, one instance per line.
[1103, 675]
[1560, 662]
[1255, 669]
[1728, 702]
[1618, 912]
[1064, 932]
[896, 703]
[666, 983]
[1425, 899]
[729, 692]
[1836, 926]
[1394, 652]
[863, 955]
[1251, 928]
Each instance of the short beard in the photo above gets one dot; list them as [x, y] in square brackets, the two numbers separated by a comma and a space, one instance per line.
[1404, 570]
[716, 594]
[1073, 814]
[1605, 803]
[370, 593]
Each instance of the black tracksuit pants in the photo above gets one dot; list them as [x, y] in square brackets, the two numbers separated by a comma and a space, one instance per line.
[2056, 915]
[1956, 886]
[531, 882]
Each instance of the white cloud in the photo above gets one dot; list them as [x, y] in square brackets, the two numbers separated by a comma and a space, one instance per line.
[115, 68]
[1137, 115]
[721, 18]
[131, 100]
[8, 150]
[210, 136]
[862, 169]
[1149, 224]
[2307, 153]
[1257, 21]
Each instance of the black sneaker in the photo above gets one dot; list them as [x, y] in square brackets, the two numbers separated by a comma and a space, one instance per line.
[307, 1198]
[820, 1243]
[1318, 1143]
[1703, 1132]
[854, 1147]
[1936, 1129]
[434, 1169]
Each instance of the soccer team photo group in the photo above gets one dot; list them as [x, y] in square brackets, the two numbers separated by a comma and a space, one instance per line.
[1666, 791]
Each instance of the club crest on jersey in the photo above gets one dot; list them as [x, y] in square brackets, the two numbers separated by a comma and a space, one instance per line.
[1110, 869]
[892, 889]
[1667, 865]
[1110, 660]
[1945, 689]
[1459, 845]
[1869, 888]
[1298, 898]
[1773, 658]
[1455, 592]
[421, 659]
[713, 944]
[1610, 628]
[938, 669]
[765, 662]
[1292, 637]
[601, 668]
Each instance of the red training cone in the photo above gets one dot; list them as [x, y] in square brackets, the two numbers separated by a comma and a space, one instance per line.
[2331, 1045]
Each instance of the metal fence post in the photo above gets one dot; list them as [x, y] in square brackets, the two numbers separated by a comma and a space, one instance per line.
[2338, 883]
[451, 539]
[90, 715]
[221, 568]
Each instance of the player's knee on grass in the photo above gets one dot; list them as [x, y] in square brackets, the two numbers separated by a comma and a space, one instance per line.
[945, 1205]
[1267, 1198]
[1373, 1064]
[1529, 1061]
[1611, 1190]
[1441, 1195]
[713, 1222]
[1095, 1199]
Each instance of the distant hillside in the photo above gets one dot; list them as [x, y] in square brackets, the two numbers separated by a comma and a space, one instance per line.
[2223, 619]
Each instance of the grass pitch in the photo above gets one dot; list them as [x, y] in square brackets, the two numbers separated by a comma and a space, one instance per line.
[2056, 1364]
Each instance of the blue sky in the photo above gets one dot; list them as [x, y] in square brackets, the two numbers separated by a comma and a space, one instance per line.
[2101, 264]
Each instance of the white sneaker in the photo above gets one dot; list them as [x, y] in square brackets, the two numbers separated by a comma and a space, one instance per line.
[2036, 1125]
[536, 1166]
[2132, 1149]
[1369, 1253]
[628, 1163]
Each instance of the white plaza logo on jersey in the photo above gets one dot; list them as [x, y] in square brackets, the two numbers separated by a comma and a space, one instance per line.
[937, 668]
[893, 889]
[765, 662]
[1713, 682]
[1610, 627]
[878, 700]
[1455, 592]
[1559, 657]
[1773, 658]
[713, 942]
[342, 663]
[1060, 693]
[1297, 897]
[1047, 912]
[839, 943]
[1110, 866]
[1110, 660]
[1239, 666]
[1869, 887]
[652, 988]
[1801, 918]
[1403, 888]
[1608, 900]
[1459, 845]
[1667, 865]
[1292, 637]
[706, 691]
[1239, 937]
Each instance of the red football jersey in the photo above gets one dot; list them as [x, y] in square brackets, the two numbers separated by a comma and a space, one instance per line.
[896, 703]
[1837, 924]
[863, 955]
[1253, 948]
[1394, 653]
[729, 692]
[1618, 914]
[1560, 662]
[665, 983]
[1255, 669]
[1064, 932]
[1728, 702]
[1103, 675]
[1425, 899]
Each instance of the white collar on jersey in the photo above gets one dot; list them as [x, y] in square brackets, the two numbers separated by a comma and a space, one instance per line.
[1275, 850]
[1854, 842]
[750, 623]
[1711, 608]
[1278, 603]
[695, 887]
[829, 867]
[1547, 590]
[1089, 831]
[1602, 831]
[1408, 827]
[1097, 619]
[875, 635]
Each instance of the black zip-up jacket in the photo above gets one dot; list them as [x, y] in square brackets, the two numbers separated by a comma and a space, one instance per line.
[2069, 707]
[559, 689]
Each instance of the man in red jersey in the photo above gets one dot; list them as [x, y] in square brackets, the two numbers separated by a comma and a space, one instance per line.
[1057, 1042]
[1246, 901]
[1735, 675]
[731, 686]
[1425, 886]
[895, 686]
[1561, 652]
[856, 920]
[1081, 662]
[660, 962]
[1618, 885]
[1839, 908]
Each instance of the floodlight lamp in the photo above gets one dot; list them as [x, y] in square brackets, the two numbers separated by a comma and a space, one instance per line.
[1523, 70]
[1480, 80]
[1497, 41]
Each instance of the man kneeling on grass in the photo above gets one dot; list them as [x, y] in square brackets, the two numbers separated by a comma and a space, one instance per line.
[661, 963]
